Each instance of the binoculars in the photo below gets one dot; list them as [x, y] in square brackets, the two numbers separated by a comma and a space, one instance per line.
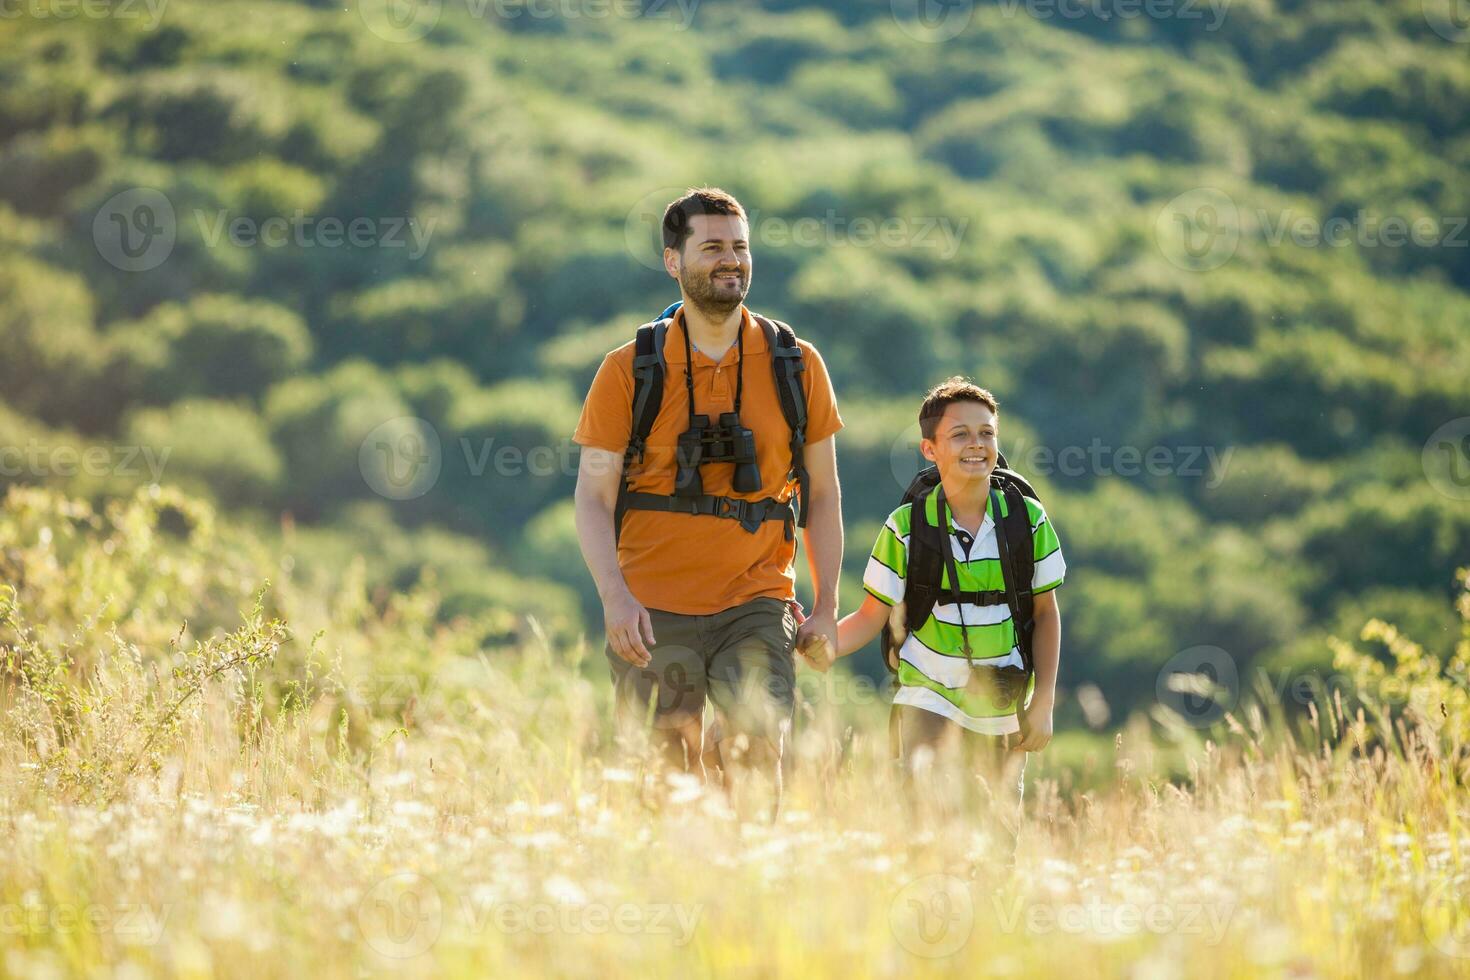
[726, 442]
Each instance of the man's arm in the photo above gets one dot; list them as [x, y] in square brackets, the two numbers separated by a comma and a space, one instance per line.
[823, 538]
[1046, 647]
[599, 477]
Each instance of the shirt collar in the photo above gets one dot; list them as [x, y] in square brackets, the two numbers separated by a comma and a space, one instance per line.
[755, 337]
[986, 523]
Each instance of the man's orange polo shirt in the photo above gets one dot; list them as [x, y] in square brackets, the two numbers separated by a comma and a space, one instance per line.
[698, 565]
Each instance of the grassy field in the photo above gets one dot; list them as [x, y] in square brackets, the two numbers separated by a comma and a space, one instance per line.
[337, 784]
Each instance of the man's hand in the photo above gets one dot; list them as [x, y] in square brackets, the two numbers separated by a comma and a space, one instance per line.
[628, 625]
[816, 639]
[1036, 726]
[816, 651]
[599, 477]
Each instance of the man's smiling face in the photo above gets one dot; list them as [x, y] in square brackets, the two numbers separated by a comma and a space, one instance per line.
[714, 267]
[965, 443]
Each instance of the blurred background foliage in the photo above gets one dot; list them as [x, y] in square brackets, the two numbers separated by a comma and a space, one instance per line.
[509, 164]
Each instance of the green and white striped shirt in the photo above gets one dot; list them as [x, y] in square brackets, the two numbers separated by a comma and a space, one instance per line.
[933, 671]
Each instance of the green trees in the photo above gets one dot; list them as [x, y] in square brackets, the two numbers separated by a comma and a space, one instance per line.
[216, 447]
[997, 204]
[213, 345]
[51, 350]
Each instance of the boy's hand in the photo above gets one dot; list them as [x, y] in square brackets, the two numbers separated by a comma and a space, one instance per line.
[1036, 726]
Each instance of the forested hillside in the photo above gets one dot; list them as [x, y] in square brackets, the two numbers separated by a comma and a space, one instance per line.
[1215, 267]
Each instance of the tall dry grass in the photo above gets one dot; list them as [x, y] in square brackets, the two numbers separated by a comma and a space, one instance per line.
[192, 787]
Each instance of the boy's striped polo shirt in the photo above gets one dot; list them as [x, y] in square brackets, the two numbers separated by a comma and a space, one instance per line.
[933, 671]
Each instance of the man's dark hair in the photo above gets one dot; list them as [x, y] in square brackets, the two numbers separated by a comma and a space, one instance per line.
[945, 394]
[696, 200]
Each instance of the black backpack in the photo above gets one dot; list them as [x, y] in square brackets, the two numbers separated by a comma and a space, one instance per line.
[648, 392]
[929, 556]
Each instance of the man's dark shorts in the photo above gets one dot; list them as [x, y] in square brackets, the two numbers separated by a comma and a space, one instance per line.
[741, 658]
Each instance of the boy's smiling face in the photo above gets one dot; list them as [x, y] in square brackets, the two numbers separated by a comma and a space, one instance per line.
[965, 443]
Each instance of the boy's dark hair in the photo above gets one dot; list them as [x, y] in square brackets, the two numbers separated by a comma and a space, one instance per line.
[945, 394]
[696, 200]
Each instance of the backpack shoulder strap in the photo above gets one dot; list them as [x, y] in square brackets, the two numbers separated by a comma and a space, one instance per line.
[924, 576]
[786, 360]
[648, 396]
[919, 487]
[1017, 560]
[648, 385]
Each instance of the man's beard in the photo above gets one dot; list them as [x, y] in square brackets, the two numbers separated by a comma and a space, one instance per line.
[711, 299]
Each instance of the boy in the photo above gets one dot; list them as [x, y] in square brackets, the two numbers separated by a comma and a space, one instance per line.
[950, 707]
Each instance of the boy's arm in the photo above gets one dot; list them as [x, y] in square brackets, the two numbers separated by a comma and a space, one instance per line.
[854, 631]
[857, 629]
[882, 576]
[1046, 646]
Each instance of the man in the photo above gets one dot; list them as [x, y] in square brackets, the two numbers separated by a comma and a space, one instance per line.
[700, 601]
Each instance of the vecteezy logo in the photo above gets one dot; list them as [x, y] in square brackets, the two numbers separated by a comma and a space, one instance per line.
[905, 459]
[401, 916]
[1199, 685]
[1199, 230]
[135, 229]
[400, 21]
[666, 696]
[1446, 919]
[1446, 459]
[1450, 19]
[643, 227]
[932, 21]
[401, 458]
[932, 916]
